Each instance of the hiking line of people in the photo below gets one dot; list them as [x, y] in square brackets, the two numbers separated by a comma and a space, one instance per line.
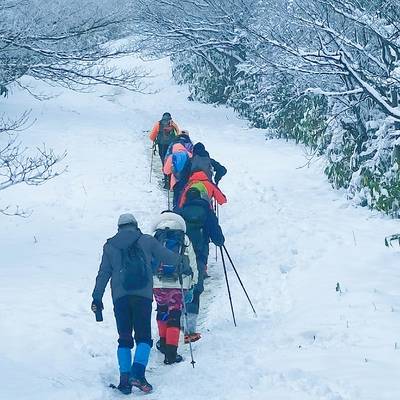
[170, 265]
[185, 165]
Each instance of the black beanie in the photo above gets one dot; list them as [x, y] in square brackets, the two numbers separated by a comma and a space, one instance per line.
[199, 148]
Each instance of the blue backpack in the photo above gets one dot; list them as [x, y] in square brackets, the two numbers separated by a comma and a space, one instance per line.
[179, 164]
[173, 240]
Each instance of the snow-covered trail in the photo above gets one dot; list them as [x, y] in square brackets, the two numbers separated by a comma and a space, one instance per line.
[292, 239]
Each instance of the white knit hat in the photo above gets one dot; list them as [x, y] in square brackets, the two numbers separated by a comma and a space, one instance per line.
[170, 220]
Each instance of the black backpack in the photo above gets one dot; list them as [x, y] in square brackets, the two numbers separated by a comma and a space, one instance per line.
[133, 272]
[195, 217]
[173, 240]
[164, 136]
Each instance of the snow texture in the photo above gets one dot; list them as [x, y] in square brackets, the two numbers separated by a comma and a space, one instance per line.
[323, 283]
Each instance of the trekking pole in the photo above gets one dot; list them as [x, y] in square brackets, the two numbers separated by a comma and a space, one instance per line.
[185, 327]
[151, 163]
[227, 285]
[240, 281]
[186, 323]
[169, 201]
[216, 213]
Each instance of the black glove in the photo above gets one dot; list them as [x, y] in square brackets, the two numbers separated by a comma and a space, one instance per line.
[220, 242]
[97, 305]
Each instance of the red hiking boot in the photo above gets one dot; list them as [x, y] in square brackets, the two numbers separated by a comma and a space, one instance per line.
[142, 384]
[192, 337]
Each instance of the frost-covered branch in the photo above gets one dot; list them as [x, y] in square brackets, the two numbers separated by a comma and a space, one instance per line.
[17, 163]
[65, 43]
[320, 92]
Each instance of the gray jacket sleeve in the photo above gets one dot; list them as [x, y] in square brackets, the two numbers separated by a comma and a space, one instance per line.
[103, 276]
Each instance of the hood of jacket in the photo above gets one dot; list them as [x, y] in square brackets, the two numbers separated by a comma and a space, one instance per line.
[198, 176]
[125, 237]
[178, 147]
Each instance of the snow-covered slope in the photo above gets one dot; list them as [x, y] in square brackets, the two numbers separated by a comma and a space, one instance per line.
[292, 238]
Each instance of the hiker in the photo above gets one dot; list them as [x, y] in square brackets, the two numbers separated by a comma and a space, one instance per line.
[201, 226]
[126, 260]
[177, 165]
[162, 135]
[170, 284]
[208, 189]
[184, 139]
[201, 161]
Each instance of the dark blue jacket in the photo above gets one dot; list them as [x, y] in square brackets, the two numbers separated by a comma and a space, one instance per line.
[201, 226]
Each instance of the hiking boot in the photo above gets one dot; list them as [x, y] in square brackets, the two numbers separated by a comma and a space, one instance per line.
[124, 386]
[192, 337]
[142, 384]
[125, 389]
[160, 345]
[171, 355]
[178, 358]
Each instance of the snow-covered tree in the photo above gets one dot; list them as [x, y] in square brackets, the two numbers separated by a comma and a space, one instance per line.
[66, 43]
[325, 72]
[63, 43]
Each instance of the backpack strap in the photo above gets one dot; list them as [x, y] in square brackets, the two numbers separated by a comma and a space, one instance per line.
[163, 236]
[181, 265]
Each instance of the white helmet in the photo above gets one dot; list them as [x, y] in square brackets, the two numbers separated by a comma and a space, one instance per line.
[170, 220]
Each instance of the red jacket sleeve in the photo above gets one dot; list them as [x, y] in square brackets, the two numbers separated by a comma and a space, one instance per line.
[167, 169]
[154, 132]
[218, 195]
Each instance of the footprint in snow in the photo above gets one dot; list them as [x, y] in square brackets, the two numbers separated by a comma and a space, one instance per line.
[68, 331]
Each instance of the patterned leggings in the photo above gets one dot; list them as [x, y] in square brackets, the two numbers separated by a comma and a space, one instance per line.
[169, 310]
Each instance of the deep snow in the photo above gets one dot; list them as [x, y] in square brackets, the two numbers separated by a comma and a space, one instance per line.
[291, 236]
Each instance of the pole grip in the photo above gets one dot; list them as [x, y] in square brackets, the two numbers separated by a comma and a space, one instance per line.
[99, 315]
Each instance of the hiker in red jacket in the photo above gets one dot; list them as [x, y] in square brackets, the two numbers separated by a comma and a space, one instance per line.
[200, 181]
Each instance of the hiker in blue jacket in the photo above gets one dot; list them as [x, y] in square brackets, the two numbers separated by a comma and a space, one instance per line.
[132, 294]
[177, 164]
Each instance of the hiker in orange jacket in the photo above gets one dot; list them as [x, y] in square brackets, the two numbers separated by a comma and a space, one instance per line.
[200, 180]
[163, 133]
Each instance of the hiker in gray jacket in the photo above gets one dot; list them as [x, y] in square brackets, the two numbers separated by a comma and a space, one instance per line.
[201, 161]
[126, 260]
